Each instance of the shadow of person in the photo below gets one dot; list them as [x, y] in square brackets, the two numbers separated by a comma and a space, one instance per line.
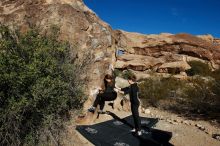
[119, 119]
[150, 136]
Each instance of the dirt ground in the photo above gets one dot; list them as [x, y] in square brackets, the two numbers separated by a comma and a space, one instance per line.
[185, 132]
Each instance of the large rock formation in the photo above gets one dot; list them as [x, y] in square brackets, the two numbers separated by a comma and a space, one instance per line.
[165, 52]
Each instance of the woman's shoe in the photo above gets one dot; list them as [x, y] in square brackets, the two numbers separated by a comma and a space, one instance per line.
[133, 130]
[92, 109]
[139, 133]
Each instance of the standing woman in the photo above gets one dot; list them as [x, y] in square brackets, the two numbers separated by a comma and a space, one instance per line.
[133, 91]
[108, 94]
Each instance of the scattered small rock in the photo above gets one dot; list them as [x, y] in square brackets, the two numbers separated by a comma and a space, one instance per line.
[216, 136]
[119, 109]
[175, 123]
[168, 120]
[147, 111]
[142, 110]
[186, 122]
[172, 122]
[208, 132]
[161, 117]
[157, 116]
[177, 120]
[201, 127]
[192, 123]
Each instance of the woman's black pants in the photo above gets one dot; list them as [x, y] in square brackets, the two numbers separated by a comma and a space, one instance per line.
[135, 114]
[102, 97]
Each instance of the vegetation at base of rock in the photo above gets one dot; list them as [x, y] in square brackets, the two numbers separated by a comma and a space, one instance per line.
[39, 85]
[117, 72]
[198, 68]
[152, 90]
[198, 95]
[202, 95]
[124, 74]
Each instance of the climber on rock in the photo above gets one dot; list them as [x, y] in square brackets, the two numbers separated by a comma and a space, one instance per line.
[106, 94]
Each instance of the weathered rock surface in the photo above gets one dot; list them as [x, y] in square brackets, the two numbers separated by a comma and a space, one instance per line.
[181, 65]
[164, 51]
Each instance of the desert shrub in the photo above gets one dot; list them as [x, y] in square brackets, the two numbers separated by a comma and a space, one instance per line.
[122, 73]
[117, 72]
[126, 73]
[198, 68]
[199, 94]
[173, 71]
[204, 93]
[216, 74]
[153, 90]
[39, 85]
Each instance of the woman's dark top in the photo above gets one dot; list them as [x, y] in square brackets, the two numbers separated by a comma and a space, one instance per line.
[132, 90]
[109, 87]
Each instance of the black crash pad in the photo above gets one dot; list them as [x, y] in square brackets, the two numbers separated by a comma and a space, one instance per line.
[117, 132]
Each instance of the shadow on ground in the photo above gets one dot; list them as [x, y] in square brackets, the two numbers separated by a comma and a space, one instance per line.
[116, 132]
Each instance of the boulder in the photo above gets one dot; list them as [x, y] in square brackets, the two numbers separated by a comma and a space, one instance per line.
[182, 65]
[147, 111]
[165, 45]
[120, 64]
[140, 75]
[138, 65]
[137, 62]
[216, 136]
[121, 83]
[208, 38]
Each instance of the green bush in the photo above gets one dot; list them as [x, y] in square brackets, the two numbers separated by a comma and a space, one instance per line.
[216, 74]
[198, 68]
[117, 72]
[39, 84]
[127, 73]
[204, 95]
[199, 94]
[153, 90]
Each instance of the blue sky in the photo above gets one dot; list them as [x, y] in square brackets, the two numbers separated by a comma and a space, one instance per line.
[155, 16]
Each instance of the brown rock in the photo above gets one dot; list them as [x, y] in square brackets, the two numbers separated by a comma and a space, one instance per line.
[147, 111]
[165, 45]
[141, 75]
[137, 62]
[181, 65]
[208, 38]
[121, 83]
